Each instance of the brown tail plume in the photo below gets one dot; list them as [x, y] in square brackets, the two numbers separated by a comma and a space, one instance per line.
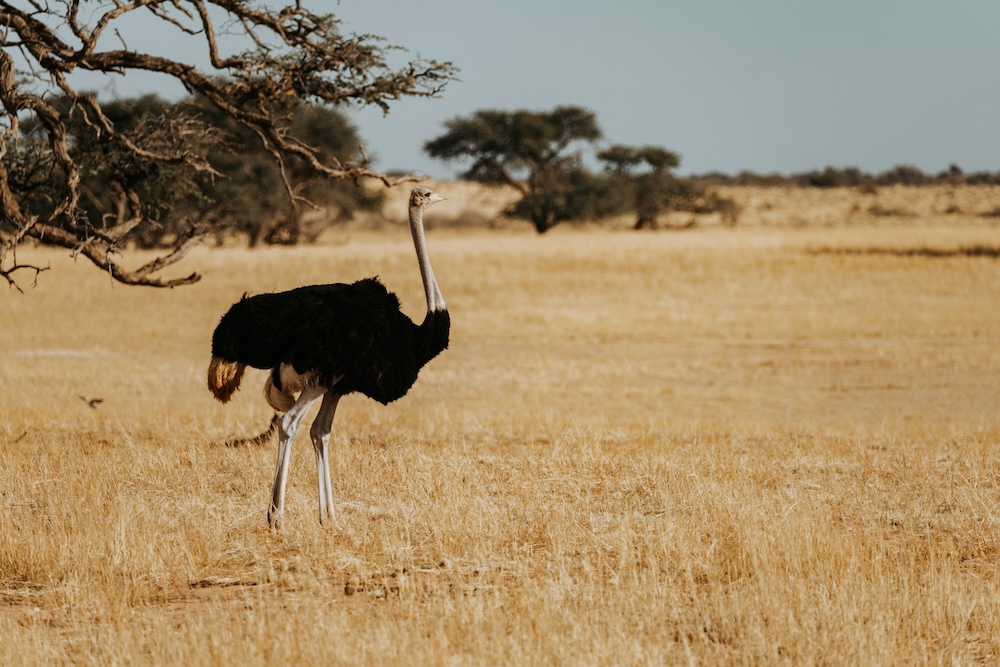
[224, 377]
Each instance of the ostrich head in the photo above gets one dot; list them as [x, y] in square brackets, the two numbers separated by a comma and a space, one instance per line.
[422, 197]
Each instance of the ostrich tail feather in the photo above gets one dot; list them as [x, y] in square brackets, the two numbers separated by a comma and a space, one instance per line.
[224, 377]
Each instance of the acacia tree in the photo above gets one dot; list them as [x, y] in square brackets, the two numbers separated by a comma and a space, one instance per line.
[530, 151]
[249, 196]
[643, 175]
[645, 184]
[292, 54]
[112, 182]
[246, 192]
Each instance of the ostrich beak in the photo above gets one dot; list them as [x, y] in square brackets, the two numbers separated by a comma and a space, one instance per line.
[435, 197]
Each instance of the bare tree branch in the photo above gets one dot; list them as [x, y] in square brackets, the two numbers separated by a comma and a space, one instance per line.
[291, 54]
[8, 274]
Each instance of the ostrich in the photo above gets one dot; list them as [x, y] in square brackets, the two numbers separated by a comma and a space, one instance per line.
[327, 341]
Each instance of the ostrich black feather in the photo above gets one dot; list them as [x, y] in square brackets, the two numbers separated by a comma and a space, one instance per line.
[354, 332]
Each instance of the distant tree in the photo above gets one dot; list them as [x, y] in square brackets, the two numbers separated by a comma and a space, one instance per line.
[530, 151]
[953, 176]
[903, 174]
[117, 190]
[832, 177]
[292, 56]
[249, 194]
[643, 176]
[579, 195]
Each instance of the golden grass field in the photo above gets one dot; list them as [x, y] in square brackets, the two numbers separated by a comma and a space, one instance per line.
[775, 444]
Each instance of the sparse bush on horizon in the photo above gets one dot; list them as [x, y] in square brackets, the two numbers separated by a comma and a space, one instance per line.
[852, 177]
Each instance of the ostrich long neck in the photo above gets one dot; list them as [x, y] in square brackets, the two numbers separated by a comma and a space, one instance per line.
[435, 301]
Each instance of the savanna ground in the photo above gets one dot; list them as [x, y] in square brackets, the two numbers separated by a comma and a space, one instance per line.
[775, 444]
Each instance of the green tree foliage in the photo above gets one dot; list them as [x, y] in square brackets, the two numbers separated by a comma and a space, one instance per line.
[529, 150]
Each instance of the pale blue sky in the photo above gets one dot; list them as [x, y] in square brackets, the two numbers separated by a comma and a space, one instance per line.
[770, 85]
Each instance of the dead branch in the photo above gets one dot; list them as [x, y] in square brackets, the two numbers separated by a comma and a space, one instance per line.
[294, 55]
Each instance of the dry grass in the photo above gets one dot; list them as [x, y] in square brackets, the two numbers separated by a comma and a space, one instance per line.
[893, 206]
[723, 446]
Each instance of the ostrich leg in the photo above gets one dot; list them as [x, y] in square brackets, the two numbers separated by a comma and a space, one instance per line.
[320, 434]
[289, 425]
